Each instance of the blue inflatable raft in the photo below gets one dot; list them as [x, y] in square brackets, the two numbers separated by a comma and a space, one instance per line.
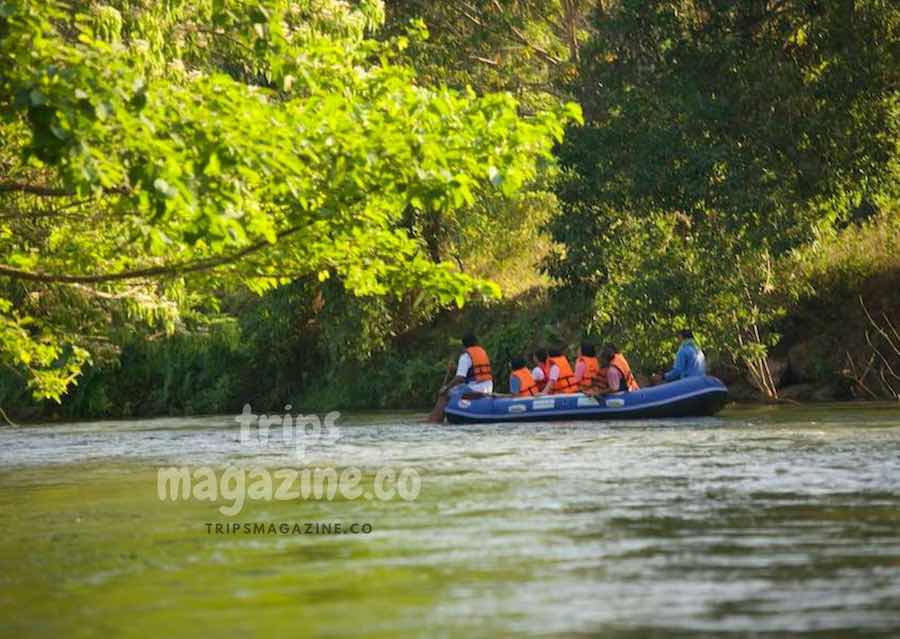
[690, 397]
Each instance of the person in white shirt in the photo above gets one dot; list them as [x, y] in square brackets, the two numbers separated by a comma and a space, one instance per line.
[560, 378]
[539, 372]
[473, 369]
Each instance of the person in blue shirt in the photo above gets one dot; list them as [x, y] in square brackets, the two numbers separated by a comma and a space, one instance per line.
[689, 361]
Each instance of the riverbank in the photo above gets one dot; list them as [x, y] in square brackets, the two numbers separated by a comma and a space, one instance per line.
[837, 341]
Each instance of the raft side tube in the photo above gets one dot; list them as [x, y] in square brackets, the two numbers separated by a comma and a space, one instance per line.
[690, 397]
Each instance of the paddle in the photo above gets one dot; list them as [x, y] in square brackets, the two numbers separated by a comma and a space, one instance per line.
[437, 413]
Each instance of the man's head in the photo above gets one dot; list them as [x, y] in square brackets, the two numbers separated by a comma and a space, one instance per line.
[556, 351]
[686, 333]
[469, 339]
[608, 352]
[540, 355]
[587, 349]
[517, 363]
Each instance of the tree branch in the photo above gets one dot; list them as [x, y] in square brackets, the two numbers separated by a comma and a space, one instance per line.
[153, 271]
[48, 191]
[488, 61]
[542, 53]
[34, 189]
[521, 37]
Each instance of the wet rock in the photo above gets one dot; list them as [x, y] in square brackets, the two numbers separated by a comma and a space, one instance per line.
[826, 393]
[741, 391]
[798, 392]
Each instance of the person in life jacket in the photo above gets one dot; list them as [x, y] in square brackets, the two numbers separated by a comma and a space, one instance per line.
[473, 369]
[560, 377]
[521, 383]
[616, 375]
[587, 367]
[539, 372]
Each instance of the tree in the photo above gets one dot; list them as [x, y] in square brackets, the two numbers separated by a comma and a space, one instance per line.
[527, 47]
[720, 137]
[157, 155]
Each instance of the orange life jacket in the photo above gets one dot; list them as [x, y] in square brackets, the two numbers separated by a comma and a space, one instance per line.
[527, 386]
[591, 369]
[481, 365]
[628, 382]
[600, 379]
[566, 381]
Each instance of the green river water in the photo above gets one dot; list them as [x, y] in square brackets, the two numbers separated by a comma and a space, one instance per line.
[763, 522]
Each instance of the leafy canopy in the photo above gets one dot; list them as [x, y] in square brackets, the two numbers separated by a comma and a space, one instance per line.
[156, 154]
[721, 136]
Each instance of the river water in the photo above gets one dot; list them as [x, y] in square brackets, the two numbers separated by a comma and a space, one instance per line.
[763, 521]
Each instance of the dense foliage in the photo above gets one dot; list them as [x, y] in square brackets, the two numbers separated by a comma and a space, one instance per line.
[720, 137]
[158, 154]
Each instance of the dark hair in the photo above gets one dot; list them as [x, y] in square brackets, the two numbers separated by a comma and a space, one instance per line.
[587, 349]
[517, 363]
[540, 354]
[556, 351]
[608, 351]
[687, 334]
[469, 339]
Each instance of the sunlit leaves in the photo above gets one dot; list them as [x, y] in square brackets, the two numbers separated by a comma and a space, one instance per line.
[269, 139]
